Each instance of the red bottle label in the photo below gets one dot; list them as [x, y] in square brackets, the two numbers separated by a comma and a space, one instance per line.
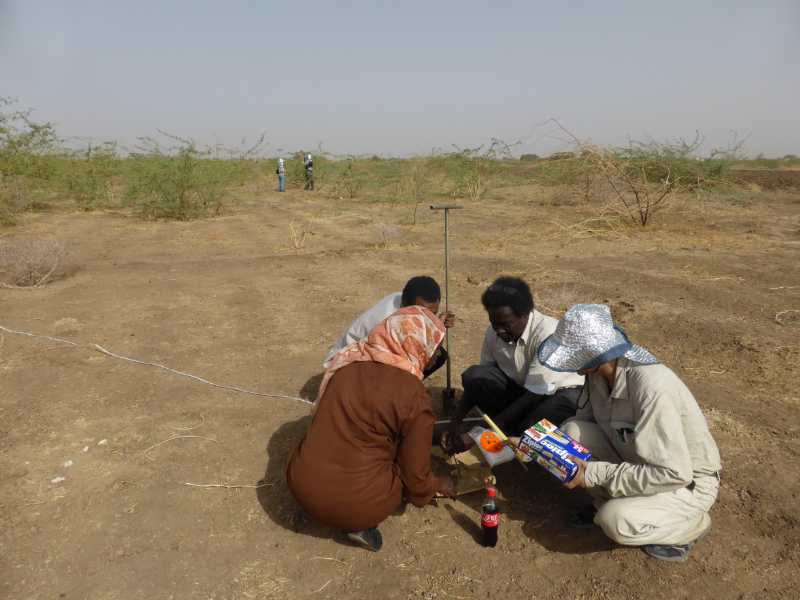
[490, 520]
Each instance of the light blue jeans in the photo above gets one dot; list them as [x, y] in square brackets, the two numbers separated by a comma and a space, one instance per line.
[280, 182]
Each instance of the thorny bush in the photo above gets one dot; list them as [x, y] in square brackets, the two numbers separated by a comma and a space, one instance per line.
[182, 182]
[28, 261]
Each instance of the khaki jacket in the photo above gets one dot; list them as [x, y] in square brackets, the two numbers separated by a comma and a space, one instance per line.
[654, 424]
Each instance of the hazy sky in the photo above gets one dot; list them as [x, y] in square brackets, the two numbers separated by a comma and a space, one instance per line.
[364, 77]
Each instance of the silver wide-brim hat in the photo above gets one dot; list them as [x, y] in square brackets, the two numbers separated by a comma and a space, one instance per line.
[585, 338]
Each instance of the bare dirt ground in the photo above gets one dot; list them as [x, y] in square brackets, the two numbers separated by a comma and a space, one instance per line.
[713, 291]
[771, 180]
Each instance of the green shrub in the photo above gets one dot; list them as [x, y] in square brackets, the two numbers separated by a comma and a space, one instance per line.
[182, 182]
[677, 162]
[87, 175]
[767, 163]
[27, 164]
[470, 168]
[637, 181]
[324, 171]
[352, 174]
[564, 171]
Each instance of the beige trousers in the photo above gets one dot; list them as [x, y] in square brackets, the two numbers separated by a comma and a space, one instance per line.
[668, 518]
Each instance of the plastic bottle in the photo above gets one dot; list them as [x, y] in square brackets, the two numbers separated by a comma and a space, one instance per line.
[490, 519]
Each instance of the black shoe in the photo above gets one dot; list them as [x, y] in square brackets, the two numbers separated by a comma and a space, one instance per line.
[371, 538]
[674, 554]
[582, 517]
[670, 554]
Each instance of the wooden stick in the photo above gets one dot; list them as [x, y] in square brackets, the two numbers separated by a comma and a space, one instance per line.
[333, 559]
[228, 487]
[177, 437]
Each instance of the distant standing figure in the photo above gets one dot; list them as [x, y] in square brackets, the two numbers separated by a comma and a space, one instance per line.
[281, 171]
[308, 164]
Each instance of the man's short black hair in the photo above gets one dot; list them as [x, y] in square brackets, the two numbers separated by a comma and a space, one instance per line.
[421, 287]
[499, 294]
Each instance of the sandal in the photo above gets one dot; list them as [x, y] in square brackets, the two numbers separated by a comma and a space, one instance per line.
[371, 538]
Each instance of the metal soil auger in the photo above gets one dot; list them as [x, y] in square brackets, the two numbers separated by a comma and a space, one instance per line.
[448, 394]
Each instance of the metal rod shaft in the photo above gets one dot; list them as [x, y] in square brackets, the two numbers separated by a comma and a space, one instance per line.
[447, 282]
[448, 394]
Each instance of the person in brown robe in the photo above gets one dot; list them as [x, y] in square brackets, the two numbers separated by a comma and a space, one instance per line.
[369, 443]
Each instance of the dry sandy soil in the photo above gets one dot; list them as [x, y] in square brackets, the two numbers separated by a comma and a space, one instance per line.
[713, 291]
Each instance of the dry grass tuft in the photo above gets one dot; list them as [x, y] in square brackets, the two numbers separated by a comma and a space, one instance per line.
[259, 580]
[385, 233]
[555, 303]
[27, 261]
[600, 225]
[720, 421]
[299, 235]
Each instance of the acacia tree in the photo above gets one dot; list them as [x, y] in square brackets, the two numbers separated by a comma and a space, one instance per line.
[25, 159]
[638, 181]
[182, 182]
[641, 179]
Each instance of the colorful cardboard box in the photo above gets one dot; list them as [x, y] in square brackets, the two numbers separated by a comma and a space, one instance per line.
[550, 447]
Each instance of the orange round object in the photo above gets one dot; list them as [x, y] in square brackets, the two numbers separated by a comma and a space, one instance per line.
[491, 442]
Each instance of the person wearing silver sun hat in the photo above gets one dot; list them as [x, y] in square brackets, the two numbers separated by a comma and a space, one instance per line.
[281, 172]
[654, 469]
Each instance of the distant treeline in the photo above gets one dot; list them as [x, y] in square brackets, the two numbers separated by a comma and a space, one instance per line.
[179, 179]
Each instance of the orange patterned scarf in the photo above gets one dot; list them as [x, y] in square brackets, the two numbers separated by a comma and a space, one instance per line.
[406, 339]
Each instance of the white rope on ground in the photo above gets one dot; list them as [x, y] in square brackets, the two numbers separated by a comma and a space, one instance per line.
[104, 351]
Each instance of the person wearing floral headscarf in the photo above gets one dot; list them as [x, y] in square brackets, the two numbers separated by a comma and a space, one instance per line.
[369, 442]
[654, 473]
